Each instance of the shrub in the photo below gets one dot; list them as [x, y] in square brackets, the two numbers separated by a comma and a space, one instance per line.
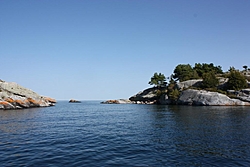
[209, 80]
[174, 95]
[236, 80]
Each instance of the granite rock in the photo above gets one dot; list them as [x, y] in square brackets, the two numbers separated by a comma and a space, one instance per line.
[206, 98]
[14, 96]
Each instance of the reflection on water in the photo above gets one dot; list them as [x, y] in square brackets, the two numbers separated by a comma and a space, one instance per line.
[16, 121]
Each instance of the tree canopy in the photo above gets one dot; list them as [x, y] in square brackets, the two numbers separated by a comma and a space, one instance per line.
[184, 72]
[209, 80]
[205, 68]
[245, 67]
[236, 80]
[158, 80]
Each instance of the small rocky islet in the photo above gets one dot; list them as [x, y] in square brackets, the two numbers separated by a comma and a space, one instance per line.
[14, 96]
[74, 101]
[192, 91]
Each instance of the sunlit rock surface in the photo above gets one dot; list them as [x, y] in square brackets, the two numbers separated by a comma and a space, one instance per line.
[206, 98]
[14, 96]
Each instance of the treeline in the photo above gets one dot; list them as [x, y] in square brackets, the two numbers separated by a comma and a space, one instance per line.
[209, 73]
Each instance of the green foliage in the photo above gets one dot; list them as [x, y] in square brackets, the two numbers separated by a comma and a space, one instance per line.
[172, 92]
[205, 68]
[159, 92]
[221, 91]
[231, 69]
[174, 95]
[158, 80]
[236, 80]
[184, 72]
[245, 68]
[209, 80]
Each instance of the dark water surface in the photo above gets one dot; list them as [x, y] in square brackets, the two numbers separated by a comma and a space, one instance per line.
[94, 134]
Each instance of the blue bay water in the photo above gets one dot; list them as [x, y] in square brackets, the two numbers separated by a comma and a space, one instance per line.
[94, 134]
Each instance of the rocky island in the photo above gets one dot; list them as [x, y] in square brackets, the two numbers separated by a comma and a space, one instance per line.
[14, 96]
[202, 85]
[74, 101]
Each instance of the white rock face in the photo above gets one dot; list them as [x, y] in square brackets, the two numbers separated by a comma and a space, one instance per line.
[206, 98]
[189, 83]
[149, 94]
[14, 96]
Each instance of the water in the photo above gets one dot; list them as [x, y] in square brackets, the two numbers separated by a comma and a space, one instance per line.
[94, 134]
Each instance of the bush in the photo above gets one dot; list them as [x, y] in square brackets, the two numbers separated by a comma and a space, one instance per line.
[209, 80]
[236, 80]
[174, 95]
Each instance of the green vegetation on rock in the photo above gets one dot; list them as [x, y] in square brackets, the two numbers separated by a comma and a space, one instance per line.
[201, 76]
[158, 80]
[209, 80]
[184, 72]
[236, 80]
[203, 68]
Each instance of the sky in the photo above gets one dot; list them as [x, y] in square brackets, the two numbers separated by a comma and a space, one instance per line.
[109, 49]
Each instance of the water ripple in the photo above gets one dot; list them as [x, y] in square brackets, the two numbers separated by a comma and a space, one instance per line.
[91, 134]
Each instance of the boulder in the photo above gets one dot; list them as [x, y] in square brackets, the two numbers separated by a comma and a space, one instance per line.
[206, 98]
[188, 84]
[14, 96]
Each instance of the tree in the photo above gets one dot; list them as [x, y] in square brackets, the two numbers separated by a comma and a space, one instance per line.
[174, 95]
[172, 92]
[184, 72]
[209, 80]
[231, 69]
[205, 68]
[158, 80]
[236, 80]
[245, 67]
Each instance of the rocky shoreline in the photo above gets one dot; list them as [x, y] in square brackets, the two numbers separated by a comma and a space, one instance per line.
[188, 96]
[14, 96]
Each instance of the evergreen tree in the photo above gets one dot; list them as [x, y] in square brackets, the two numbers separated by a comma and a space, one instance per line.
[236, 80]
[245, 68]
[209, 80]
[158, 80]
[205, 68]
[184, 72]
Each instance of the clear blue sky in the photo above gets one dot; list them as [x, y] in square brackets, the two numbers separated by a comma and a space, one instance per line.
[109, 49]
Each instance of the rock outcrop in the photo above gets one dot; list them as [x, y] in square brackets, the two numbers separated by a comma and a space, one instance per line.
[206, 98]
[74, 101]
[243, 94]
[186, 93]
[127, 101]
[119, 101]
[189, 83]
[150, 94]
[14, 96]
